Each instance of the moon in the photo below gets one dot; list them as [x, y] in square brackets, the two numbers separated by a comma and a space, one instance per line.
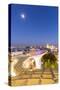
[22, 16]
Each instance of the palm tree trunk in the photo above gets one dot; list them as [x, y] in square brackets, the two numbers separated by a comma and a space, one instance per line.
[43, 69]
[52, 73]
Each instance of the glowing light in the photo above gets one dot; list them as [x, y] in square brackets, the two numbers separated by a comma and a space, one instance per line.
[22, 16]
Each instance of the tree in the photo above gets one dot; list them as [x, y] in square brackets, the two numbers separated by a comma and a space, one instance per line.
[49, 61]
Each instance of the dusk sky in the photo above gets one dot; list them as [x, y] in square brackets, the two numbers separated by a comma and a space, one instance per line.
[34, 24]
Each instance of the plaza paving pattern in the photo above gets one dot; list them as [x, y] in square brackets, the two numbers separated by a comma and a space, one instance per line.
[33, 78]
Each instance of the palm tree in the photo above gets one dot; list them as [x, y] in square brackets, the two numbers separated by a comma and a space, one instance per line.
[49, 61]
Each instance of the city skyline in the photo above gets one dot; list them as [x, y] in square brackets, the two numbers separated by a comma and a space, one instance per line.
[32, 24]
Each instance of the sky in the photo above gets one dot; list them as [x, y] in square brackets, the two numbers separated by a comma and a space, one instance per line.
[32, 24]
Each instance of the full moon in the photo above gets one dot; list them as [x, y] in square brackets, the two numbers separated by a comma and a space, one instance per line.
[22, 16]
